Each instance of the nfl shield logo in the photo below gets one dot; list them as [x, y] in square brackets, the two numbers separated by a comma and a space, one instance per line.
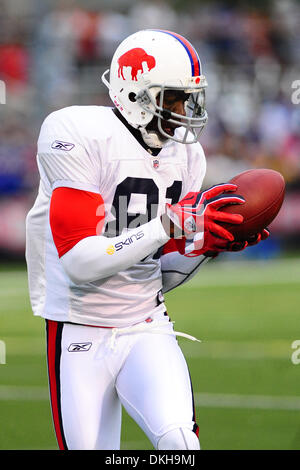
[155, 163]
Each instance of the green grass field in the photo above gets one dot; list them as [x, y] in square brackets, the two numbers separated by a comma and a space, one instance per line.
[247, 389]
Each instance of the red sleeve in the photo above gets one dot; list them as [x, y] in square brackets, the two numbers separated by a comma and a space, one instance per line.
[74, 215]
[177, 244]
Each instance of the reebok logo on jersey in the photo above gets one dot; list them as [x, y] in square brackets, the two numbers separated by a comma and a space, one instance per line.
[59, 145]
[79, 347]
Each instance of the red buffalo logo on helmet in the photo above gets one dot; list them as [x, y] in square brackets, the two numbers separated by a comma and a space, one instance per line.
[135, 59]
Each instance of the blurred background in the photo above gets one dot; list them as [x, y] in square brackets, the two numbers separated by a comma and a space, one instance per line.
[245, 310]
[52, 54]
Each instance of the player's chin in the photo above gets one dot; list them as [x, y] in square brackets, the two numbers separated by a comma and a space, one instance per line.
[169, 130]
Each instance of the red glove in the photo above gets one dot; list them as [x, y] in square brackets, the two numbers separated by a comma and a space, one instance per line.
[211, 247]
[191, 251]
[199, 212]
[254, 240]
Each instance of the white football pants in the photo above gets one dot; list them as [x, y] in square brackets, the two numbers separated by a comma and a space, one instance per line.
[94, 371]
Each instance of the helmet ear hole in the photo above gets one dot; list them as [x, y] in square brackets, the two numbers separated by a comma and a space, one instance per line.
[132, 97]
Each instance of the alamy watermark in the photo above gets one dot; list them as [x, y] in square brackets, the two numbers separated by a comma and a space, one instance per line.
[296, 93]
[295, 358]
[2, 352]
[129, 213]
[2, 92]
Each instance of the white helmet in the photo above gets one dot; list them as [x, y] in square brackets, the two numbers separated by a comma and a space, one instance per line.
[145, 65]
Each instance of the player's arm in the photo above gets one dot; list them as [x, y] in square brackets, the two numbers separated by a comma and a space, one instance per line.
[77, 218]
[177, 268]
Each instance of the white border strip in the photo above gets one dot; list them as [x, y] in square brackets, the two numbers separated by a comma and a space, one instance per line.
[263, 402]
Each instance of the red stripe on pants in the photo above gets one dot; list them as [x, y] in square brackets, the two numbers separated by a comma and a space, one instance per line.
[53, 357]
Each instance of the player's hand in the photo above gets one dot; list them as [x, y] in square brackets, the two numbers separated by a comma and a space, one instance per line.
[210, 247]
[190, 250]
[199, 212]
[259, 237]
[254, 240]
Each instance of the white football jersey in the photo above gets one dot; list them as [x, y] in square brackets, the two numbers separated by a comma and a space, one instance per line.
[89, 148]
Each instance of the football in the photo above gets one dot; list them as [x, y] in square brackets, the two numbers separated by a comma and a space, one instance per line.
[263, 191]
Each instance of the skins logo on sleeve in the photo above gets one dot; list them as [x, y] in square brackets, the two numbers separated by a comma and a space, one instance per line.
[60, 145]
[111, 249]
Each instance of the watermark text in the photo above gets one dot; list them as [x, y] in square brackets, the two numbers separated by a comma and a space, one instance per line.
[2, 352]
[295, 358]
[2, 92]
[296, 92]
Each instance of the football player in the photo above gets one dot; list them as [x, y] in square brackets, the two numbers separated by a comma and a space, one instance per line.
[119, 219]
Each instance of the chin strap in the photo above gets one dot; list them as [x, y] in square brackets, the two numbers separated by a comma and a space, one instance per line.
[152, 138]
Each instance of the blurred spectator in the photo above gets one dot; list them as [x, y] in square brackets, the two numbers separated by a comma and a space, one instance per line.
[158, 14]
[85, 26]
[14, 64]
[17, 157]
[113, 27]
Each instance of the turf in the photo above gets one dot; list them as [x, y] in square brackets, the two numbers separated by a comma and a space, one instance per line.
[245, 384]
